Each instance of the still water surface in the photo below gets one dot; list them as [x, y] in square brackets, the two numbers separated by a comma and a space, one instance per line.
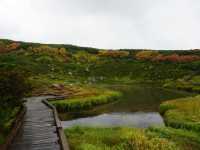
[137, 108]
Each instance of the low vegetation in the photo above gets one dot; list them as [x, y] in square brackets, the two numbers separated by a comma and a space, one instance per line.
[181, 117]
[154, 138]
[7, 118]
[88, 65]
[188, 83]
[13, 87]
[182, 113]
[184, 139]
[87, 102]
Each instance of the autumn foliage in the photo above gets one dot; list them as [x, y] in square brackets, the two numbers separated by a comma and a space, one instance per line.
[59, 53]
[49, 50]
[146, 55]
[157, 57]
[176, 58]
[8, 47]
[113, 53]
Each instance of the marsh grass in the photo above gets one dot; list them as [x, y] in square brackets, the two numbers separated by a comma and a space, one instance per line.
[182, 113]
[182, 117]
[121, 138]
[182, 137]
[84, 103]
[83, 138]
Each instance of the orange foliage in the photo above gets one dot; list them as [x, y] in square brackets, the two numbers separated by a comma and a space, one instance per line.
[50, 50]
[59, 53]
[146, 55]
[113, 53]
[155, 56]
[2, 48]
[13, 46]
[7, 48]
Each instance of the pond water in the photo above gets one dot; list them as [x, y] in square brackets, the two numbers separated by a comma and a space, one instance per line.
[138, 119]
[137, 108]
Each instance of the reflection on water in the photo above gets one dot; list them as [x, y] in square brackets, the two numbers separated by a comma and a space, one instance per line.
[138, 119]
[138, 108]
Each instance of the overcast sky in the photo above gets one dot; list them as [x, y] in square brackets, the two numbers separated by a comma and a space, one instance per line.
[156, 24]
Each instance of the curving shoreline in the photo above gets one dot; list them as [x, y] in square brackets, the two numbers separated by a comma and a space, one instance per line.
[178, 134]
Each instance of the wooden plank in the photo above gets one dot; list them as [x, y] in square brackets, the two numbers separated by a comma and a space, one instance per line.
[35, 141]
[39, 130]
[38, 136]
[40, 147]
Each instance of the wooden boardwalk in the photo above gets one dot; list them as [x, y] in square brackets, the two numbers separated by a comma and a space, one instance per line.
[39, 131]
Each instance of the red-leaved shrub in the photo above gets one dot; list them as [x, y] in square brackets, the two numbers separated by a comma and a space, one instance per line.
[176, 58]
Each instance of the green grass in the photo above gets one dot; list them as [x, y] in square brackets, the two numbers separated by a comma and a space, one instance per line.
[183, 138]
[83, 138]
[182, 116]
[182, 113]
[83, 103]
[121, 138]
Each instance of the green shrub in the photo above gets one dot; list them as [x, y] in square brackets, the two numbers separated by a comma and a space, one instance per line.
[44, 59]
[13, 87]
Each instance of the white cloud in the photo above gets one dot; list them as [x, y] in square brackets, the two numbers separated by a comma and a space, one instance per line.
[169, 24]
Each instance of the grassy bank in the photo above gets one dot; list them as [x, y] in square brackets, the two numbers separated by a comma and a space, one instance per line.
[182, 132]
[82, 138]
[87, 102]
[182, 113]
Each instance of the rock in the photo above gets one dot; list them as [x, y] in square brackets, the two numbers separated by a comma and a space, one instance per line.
[58, 86]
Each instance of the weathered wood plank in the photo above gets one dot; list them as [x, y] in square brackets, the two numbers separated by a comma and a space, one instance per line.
[39, 131]
[40, 147]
